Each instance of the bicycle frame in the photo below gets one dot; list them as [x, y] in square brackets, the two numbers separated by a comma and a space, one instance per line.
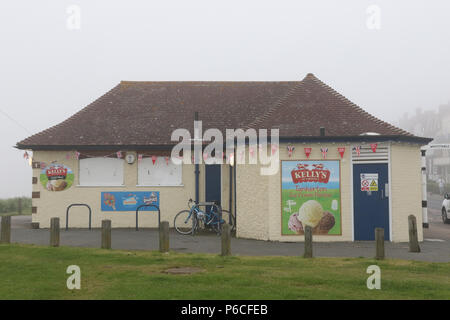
[213, 217]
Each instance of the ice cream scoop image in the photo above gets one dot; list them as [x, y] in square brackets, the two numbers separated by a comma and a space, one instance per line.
[326, 223]
[294, 224]
[310, 213]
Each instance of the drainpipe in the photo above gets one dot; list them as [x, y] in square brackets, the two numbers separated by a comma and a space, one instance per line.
[231, 189]
[234, 185]
[197, 166]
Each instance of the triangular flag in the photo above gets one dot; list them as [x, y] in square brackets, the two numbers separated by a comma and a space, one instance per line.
[373, 146]
[274, 148]
[308, 152]
[251, 151]
[290, 150]
[153, 159]
[357, 150]
[167, 160]
[324, 152]
[341, 151]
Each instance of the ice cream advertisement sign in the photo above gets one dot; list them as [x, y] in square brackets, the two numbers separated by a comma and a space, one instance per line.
[56, 177]
[129, 201]
[311, 195]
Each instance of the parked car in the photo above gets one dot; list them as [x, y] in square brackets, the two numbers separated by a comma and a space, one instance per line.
[446, 209]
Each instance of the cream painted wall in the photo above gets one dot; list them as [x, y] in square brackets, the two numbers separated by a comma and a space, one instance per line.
[259, 197]
[54, 204]
[406, 193]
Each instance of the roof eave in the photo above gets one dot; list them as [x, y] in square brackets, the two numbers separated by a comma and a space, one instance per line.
[310, 139]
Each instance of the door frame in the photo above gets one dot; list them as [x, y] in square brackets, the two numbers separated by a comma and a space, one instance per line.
[352, 207]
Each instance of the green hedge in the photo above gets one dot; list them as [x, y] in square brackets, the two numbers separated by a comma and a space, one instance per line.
[11, 205]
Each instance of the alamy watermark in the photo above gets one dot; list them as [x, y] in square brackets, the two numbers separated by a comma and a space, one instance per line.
[74, 280]
[73, 21]
[373, 21]
[374, 281]
[209, 147]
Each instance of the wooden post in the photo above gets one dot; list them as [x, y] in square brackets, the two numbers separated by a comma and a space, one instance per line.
[54, 232]
[164, 236]
[413, 237]
[5, 236]
[106, 234]
[226, 240]
[379, 239]
[19, 205]
[308, 243]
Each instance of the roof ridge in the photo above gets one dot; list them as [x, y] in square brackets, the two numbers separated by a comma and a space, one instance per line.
[282, 100]
[125, 83]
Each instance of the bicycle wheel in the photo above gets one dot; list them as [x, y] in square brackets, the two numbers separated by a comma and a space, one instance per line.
[184, 222]
[226, 217]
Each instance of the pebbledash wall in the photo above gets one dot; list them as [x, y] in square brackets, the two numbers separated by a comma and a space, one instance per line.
[259, 197]
[172, 198]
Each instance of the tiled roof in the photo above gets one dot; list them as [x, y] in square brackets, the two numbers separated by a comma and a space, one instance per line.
[146, 113]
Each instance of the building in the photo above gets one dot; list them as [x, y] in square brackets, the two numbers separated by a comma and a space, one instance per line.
[341, 170]
[434, 124]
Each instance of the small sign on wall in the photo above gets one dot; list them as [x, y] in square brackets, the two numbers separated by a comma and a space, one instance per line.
[369, 181]
[129, 201]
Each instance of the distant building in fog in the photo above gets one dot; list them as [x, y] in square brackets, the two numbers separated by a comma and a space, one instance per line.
[436, 124]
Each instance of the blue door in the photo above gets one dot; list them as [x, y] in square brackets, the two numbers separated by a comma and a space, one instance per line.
[213, 182]
[370, 200]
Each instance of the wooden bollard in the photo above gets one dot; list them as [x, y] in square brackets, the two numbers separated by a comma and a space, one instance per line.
[164, 236]
[5, 236]
[226, 240]
[413, 237]
[379, 240]
[54, 232]
[308, 243]
[106, 234]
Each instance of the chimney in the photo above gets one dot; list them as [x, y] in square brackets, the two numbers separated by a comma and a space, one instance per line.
[322, 131]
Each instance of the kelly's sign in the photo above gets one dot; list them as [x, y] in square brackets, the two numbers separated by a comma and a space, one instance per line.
[317, 173]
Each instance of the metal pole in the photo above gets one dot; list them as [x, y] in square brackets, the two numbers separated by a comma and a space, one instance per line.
[196, 160]
[424, 190]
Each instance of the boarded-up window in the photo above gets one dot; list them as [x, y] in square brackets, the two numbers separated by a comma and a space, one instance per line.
[101, 172]
[160, 173]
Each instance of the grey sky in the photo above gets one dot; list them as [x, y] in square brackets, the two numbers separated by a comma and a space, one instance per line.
[49, 72]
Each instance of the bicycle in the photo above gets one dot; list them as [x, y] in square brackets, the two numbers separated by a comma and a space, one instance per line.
[189, 221]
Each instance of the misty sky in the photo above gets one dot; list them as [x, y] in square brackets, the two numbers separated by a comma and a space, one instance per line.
[48, 71]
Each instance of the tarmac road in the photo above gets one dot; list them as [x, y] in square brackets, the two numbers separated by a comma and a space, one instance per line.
[435, 249]
[437, 229]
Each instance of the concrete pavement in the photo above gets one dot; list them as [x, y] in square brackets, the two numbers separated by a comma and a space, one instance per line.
[147, 239]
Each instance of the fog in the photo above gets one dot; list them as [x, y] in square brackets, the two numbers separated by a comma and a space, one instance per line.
[50, 69]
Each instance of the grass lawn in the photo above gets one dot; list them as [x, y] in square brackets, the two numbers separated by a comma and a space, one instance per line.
[33, 272]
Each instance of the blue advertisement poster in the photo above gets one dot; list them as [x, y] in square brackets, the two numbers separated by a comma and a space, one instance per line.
[129, 201]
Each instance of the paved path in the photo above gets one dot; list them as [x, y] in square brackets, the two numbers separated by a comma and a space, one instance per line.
[147, 239]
